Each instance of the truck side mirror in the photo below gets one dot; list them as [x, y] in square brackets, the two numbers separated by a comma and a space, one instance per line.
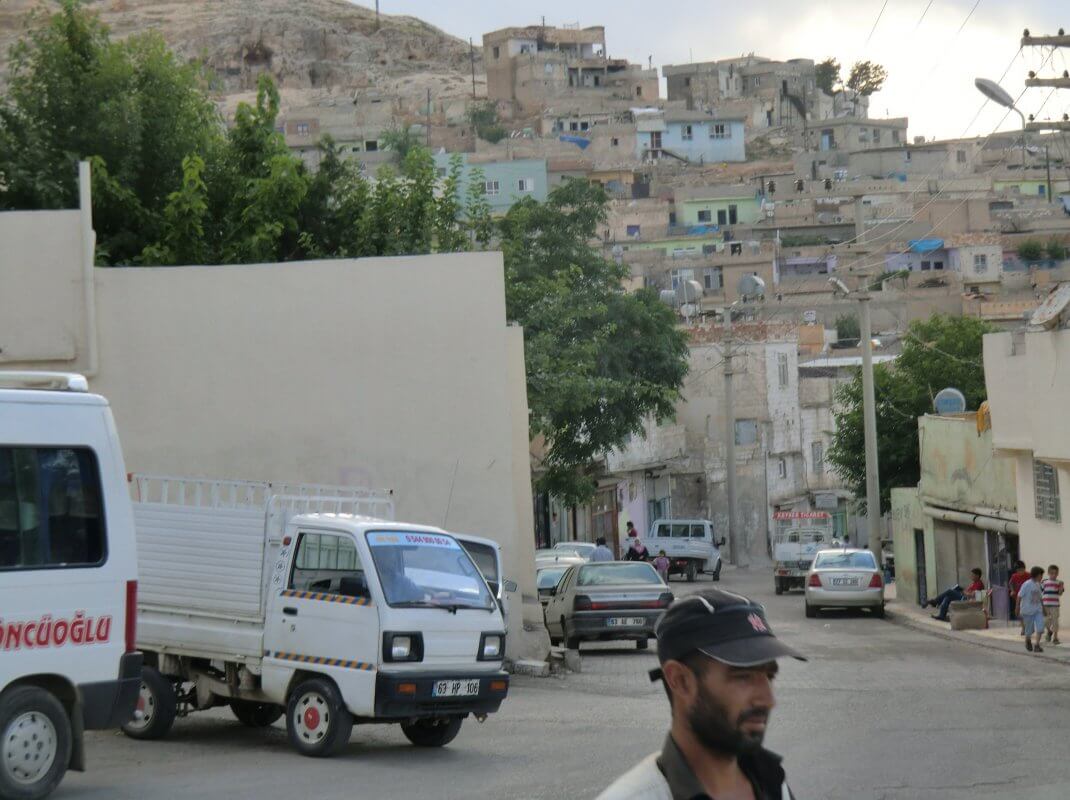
[722, 542]
[353, 586]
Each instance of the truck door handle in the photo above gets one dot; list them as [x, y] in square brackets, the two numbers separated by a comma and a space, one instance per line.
[290, 611]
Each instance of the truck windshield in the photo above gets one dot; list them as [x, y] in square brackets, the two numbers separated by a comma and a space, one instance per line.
[427, 569]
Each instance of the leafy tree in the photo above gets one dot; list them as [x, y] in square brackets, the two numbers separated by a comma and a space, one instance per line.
[827, 75]
[401, 139]
[1030, 250]
[450, 236]
[418, 203]
[867, 77]
[1056, 250]
[484, 118]
[477, 209]
[600, 361]
[847, 327]
[130, 107]
[939, 352]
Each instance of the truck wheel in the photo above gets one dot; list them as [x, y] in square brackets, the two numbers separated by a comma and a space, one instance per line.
[317, 720]
[35, 743]
[717, 572]
[691, 571]
[255, 715]
[156, 707]
[432, 732]
[778, 586]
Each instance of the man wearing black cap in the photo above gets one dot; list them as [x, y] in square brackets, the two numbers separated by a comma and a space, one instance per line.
[718, 661]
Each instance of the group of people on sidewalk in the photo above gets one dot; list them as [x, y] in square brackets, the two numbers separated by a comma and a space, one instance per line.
[634, 550]
[1034, 598]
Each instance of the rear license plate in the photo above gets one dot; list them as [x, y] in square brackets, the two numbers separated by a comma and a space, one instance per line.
[845, 581]
[461, 688]
[624, 622]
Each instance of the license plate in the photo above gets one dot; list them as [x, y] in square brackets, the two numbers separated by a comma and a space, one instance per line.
[461, 688]
[623, 622]
[845, 581]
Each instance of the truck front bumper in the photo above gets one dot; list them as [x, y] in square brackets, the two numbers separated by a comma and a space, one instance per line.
[408, 695]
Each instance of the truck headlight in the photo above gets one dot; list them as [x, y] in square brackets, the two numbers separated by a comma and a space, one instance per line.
[491, 647]
[403, 647]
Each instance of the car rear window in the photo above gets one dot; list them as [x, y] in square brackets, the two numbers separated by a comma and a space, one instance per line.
[548, 578]
[845, 561]
[616, 574]
[51, 508]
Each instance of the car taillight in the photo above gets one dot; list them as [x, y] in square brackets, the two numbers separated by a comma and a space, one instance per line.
[581, 603]
[665, 600]
[875, 582]
[131, 616]
[815, 580]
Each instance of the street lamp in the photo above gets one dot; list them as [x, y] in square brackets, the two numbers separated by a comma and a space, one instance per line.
[997, 94]
[869, 412]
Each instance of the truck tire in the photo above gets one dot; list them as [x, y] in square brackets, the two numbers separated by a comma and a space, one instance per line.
[35, 743]
[432, 732]
[778, 586]
[156, 707]
[256, 715]
[692, 571]
[717, 572]
[317, 721]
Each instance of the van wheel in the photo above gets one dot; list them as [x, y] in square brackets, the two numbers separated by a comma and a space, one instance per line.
[35, 743]
[317, 721]
[256, 715]
[432, 732]
[691, 571]
[156, 705]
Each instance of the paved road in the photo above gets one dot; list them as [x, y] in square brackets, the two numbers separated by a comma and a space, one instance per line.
[880, 711]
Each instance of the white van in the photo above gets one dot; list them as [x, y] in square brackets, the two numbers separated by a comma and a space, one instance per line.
[302, 601]
[68, 579]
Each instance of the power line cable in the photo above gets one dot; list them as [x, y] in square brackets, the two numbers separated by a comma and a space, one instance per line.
[875, 22]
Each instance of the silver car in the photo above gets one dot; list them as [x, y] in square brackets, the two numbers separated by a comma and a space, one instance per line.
[608, 600]
[844, 578]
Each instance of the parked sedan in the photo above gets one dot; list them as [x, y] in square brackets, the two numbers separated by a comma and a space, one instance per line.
[547, 576]
[609, 600]
[844, 578]
[584, 549]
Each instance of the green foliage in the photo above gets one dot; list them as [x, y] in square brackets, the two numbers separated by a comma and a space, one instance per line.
[1056, 250]
[827, 75]
[867, 77]
[450, 236]
[402, 140]
[484, 118]
[847, 327]
[477, 210]
[937, 353]
[1030, 250]
[599, 361]
[130, 107]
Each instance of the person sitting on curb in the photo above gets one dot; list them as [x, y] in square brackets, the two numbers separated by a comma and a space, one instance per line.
[944, 600]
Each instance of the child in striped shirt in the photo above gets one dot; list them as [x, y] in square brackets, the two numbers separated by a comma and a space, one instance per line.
[1052, 589]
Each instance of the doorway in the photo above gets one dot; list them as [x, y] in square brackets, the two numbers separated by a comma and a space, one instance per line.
[919, 566]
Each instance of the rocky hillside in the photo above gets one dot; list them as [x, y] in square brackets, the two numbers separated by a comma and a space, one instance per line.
[306, 45]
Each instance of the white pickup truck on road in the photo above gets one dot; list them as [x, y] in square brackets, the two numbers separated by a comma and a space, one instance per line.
[303, 601]
[689, 544]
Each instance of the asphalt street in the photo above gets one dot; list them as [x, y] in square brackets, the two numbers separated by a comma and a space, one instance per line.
[879, 711]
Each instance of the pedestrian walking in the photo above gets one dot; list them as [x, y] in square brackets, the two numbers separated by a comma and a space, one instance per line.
[718, 660]
[601, 552]
[1017, 578]
[1031, 609]
[1052, 591]
[661, 564]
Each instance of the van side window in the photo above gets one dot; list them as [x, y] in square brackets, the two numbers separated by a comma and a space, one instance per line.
[323, 560]
[51, 514]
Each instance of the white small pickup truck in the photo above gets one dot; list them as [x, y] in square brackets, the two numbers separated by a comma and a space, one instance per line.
[690, 545]
[304, 601]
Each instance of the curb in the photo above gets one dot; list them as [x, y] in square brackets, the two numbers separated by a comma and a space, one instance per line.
[907, 621]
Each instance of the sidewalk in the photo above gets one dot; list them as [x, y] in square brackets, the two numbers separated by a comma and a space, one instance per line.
[999, 636]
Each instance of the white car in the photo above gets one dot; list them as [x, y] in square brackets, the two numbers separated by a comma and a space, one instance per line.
[844, 578]
[68, 579]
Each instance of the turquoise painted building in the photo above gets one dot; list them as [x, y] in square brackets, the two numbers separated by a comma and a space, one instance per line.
[505, 182]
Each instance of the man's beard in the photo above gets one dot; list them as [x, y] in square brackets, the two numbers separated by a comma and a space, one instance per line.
[710, 724]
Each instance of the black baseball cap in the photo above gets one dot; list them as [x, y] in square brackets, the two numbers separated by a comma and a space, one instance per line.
[725, 626]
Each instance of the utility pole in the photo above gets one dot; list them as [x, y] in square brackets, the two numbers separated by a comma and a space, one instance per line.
[869, 413]
[376, 14]
[1059, 40]
[737, 540]
[1047, 166]
[428, 131]
[472, 58]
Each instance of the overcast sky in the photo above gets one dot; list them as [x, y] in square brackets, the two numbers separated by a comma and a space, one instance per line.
[931, 65]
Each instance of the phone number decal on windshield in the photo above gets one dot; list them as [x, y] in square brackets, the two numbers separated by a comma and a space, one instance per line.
[422, 539]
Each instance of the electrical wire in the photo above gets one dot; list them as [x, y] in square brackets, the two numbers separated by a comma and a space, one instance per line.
[875, 22]
[923, 13]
